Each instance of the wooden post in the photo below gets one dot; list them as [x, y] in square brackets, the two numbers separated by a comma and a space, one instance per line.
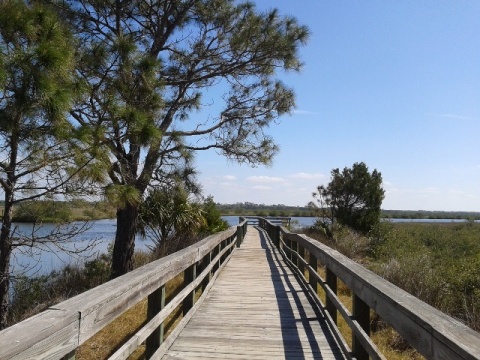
[69, 356]
[301, 253]
[288, 244]
[277, 236]
[294, 247]
[188, 277]
[332, 284]
[239, 235]
[312, 261]
[206, 261]
[361, 313]
[156, 302]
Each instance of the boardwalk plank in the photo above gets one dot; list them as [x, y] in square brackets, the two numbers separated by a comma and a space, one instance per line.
[256, 310]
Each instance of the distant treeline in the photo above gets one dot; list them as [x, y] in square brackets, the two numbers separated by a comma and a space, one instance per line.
[423, 214]
[80, 210]
[252, 209]
[248, 208]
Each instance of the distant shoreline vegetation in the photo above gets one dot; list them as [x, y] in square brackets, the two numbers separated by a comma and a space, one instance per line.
[48, 211]
[252, 209]
[66, 211]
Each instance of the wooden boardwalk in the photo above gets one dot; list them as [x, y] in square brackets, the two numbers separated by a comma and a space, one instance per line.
[256, 310]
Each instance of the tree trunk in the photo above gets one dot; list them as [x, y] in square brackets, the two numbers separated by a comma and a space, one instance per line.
[123, 249]
[5, 254]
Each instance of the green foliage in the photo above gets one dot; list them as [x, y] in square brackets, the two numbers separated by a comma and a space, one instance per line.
[213, 219]
[36, 92]
[251, 209]
[37, 62]
[147, 71]
[43, 211]
[167, 215]
[352, 198]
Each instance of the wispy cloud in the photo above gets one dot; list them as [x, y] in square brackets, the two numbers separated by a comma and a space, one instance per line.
[454, 117]
[266, 179]
[307, 176]
[229, 177]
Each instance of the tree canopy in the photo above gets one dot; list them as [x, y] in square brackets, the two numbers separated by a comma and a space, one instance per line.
[147, 67]
[353, 197]
[36, 91]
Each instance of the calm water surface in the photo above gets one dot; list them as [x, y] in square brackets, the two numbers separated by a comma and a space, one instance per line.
[41, 261]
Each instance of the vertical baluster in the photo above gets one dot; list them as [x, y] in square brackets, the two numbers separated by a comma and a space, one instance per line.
[312, 261]
[188, 277]
[294, 247]
[361, 313]
[301, 253]
[156, 302]
[239, 235]
[206, 261]
[332, 284]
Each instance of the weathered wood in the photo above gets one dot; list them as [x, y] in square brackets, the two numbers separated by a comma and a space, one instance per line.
[189, 276]
[433, 333]
[69, 356]
[361, 314]
[135, 341]
[301, 260]
[207, 259]
[48, 335]
[268, 315]
[58, 331]
[180, 326]
[156, 302]
[332, 283]
[312, 261]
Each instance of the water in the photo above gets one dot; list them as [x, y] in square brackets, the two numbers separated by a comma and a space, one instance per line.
[40, 261]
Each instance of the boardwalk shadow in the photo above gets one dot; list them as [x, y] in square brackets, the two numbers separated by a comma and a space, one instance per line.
[296, 324]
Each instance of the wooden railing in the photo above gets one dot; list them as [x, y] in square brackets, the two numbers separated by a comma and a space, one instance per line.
[431, 332]
[276, 220]
[58, 331]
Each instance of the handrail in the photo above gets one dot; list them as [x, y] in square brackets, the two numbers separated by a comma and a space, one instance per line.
[431, 332]
[58, 331]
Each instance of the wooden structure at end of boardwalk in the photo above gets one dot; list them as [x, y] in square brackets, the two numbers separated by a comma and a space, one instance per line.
[243, 297]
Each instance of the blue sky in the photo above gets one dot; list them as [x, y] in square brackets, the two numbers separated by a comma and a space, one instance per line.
[393, 84]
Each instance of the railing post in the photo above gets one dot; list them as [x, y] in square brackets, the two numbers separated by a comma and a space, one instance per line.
[361, 313]
[312, 280]
[69, 356]
[239, 235]
[188, 276]
[156, 302]
[301, 253]
[206, 261]
[276, 229]
[332, 284]
[294, 247]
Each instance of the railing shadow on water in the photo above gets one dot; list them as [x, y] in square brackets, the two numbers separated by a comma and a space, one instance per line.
[284, 291]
